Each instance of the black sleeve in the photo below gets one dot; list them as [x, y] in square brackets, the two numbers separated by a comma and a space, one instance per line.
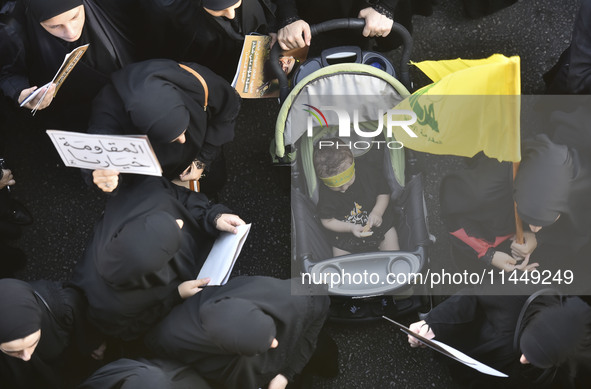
[385, 7]
[299, 357]
[579, 74]
[13, 69]
[88, 337]
[200, 208]
[286, 13]
[208, 154]
[452, 317]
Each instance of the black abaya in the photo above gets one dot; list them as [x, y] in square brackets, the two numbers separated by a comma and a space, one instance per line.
[138, 256]
[225, 332]
[184, 31]
[143, 374]
[489, 329]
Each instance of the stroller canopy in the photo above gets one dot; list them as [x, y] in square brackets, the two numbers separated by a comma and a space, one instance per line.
[350, 87]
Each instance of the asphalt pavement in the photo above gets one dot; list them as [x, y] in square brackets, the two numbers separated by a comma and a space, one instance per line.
[372, 355]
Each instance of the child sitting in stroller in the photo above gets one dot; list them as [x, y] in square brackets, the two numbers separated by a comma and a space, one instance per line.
[353, 203]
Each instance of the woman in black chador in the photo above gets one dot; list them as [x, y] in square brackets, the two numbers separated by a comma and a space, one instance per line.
[39, 325]
[146, 252]
[537, 341]
[250, 333]
[42, 32]
[551, 189]
[186, 110]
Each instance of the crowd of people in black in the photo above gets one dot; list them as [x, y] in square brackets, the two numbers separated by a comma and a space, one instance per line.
[162, 69]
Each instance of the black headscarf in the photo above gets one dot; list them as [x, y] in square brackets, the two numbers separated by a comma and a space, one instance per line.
[126, 263]
[218, 5]
[160, 99]
[21, 311]
[225, 354]
[44, 9]
[55, 310]
[557, 334]
[253, 336]
[555, 180]
[138, 256]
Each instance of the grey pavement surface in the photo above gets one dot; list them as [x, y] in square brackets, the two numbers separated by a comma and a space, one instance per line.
[372, 355]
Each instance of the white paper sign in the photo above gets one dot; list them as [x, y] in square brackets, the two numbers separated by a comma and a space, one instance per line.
[223, 256]
[450, 351]
[126, 154]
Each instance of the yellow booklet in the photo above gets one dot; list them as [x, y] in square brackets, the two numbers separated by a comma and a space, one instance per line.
[254, 78]
[63, 72]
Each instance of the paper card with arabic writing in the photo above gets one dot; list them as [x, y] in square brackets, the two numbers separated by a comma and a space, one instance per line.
[126, 154]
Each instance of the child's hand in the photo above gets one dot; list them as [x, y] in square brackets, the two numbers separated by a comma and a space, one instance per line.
[356, 230]
[374, 220]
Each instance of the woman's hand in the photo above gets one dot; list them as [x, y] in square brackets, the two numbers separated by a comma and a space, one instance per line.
[526, 266]
[507, 263]
[7, 178]
[106, 180]
[279, 382]
[46, 94]
[191, 173]
[421, 328]
[529, 244]
[376, 24]
[228, 222]
[295, 35]
[192, 287]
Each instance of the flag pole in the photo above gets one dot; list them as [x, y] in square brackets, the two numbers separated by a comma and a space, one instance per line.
[518, 224]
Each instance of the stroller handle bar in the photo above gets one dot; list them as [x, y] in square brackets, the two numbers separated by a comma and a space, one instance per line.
[346, 24]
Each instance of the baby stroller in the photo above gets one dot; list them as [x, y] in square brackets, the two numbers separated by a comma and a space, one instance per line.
[348, 99]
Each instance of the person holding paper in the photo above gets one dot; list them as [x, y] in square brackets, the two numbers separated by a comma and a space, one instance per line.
[553, 336]
[250, 333]
[40, 35]
[145, 253]
[187, 119]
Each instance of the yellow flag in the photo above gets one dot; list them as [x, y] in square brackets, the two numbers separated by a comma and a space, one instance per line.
[472, 106]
